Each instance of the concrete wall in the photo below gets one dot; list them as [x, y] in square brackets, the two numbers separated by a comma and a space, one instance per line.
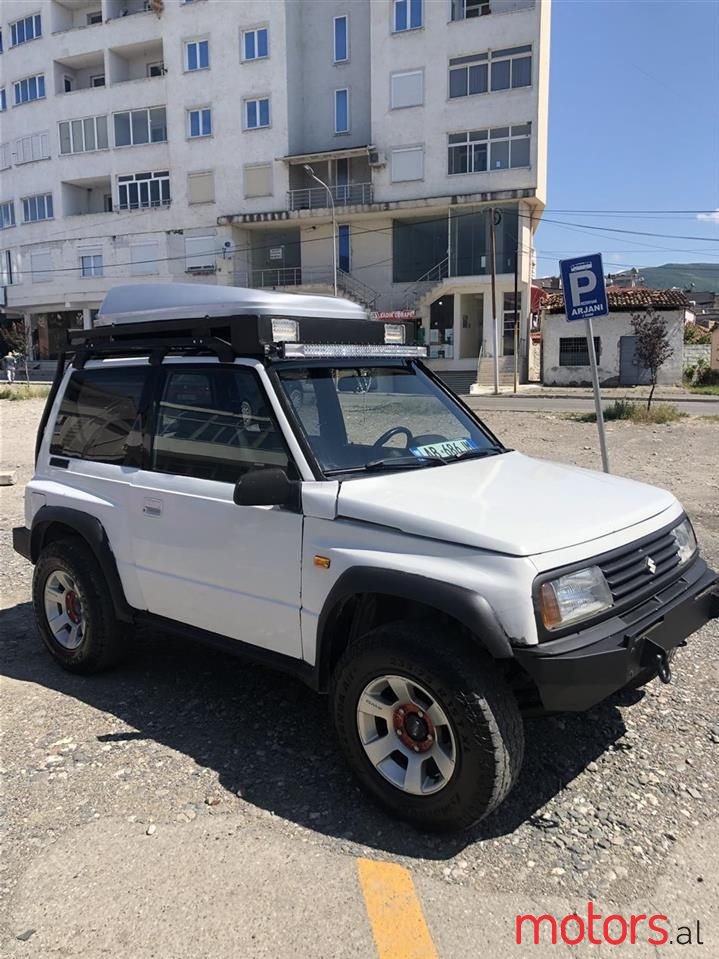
[609, 329]
[694, 352]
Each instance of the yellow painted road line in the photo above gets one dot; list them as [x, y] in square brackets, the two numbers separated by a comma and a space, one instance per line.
[395, 914]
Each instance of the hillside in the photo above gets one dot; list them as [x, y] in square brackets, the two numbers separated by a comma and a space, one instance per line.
[704, 276]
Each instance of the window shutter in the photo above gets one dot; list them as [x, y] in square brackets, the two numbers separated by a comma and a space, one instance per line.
[258, 180]
[144, 258]
[407, 164]
[407, 89]
[40, 265]
[201, 187]
[200, 252]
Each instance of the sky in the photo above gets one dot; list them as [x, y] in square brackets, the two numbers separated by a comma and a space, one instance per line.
[633, 126]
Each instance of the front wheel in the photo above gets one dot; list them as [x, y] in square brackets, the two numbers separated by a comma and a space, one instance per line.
[428, 724]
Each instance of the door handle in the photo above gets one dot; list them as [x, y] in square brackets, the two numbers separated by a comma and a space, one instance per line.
[152, 507]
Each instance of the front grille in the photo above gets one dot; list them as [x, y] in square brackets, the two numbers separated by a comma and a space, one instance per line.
[640, 568]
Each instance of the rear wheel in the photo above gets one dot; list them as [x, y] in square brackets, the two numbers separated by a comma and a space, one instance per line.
[73, 608]
[429, 726]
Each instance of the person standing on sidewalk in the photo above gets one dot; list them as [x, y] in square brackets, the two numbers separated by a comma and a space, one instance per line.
[10, 366]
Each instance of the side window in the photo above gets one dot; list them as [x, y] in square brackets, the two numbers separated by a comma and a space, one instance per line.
[97, 414]
[215, 423]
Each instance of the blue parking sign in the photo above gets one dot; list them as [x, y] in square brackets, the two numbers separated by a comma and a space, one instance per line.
[585, 295]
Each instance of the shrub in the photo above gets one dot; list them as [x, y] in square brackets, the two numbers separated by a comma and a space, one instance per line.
[626, 410]
[696, 334]
[23, 392]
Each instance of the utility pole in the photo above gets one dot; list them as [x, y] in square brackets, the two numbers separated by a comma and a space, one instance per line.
[311, 172]
[495, 338]
[516, 311]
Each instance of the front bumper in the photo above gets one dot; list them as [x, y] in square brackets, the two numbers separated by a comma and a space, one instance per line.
[21, 541]
[578, 671]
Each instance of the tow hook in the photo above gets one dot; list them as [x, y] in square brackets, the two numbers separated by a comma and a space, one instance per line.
[664, 670]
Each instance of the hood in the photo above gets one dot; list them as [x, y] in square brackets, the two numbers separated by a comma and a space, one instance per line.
[508, 504]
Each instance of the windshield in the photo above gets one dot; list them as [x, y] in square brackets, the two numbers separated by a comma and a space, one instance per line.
[360, 419]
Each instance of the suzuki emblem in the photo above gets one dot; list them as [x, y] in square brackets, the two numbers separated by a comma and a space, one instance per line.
[651, 565]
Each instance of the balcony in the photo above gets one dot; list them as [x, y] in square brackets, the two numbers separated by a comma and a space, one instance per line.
[126, 8]
[469, 9]
[137, 61]
[83, 196]
[79, 73]
[316, 198]
[74, 14]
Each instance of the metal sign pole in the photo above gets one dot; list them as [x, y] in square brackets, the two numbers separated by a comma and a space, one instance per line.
[597, 394]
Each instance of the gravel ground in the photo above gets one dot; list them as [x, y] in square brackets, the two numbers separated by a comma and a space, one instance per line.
[180, 732]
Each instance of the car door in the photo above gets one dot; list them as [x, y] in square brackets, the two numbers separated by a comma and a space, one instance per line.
[201, 559]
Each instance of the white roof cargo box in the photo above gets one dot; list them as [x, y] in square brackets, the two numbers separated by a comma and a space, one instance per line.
[178, 301]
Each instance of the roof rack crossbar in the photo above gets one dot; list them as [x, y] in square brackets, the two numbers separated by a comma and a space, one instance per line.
[87, 348]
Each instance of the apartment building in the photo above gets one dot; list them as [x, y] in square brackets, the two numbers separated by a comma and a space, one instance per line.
[276, 144]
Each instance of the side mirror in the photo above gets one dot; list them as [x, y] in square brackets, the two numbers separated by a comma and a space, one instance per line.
[267, 487]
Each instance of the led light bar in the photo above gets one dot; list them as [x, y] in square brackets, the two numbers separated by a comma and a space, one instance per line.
[321, 350]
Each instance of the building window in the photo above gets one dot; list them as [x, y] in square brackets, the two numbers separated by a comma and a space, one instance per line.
[257, 113]
[94, 17]
[156, 69]
[5, 156]
[143, 190]
[258, 179]
[98, 80]
[33, 147]
[140, 126]
[91, 264]
[68, 84]
[3, 100]
[256, 44]
[574, 350]
[342, 111]
[407, 89]
[478, 151]
[83, 136]
[41, 267]
[37, 208]
[469, 75]
[29, 89]
[201, 187]
[341, 39]
[22, 31]
[197, 55]
[511, 68]
[6, 270]
[7, 215]
[406, 15]
[407, 163]
[344, 248]
[199, 123]
[144, 258]
[508, 317]
[466, 9]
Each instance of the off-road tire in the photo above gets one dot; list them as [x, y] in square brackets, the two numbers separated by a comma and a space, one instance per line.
[482, 710]
[102, 645]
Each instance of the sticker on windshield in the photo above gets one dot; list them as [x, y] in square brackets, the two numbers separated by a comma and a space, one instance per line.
[446, 448]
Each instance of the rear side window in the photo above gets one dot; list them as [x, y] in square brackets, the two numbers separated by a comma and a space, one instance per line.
[97, 414]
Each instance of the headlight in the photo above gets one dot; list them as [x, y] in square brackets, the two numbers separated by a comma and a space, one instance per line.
[686, 541]
[573, 597]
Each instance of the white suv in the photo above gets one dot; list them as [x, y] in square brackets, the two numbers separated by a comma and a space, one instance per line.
[282, 476]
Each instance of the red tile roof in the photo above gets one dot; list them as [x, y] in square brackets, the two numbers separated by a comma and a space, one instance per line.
[627, 300]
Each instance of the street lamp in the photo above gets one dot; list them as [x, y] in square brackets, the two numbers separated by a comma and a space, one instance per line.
[311, 172]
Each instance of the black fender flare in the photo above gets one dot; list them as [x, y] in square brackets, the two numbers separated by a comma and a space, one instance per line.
[91, 530]
[469, 608]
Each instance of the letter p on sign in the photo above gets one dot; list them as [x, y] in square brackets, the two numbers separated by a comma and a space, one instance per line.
[582, 282]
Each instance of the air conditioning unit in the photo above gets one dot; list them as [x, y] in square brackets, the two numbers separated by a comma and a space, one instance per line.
[375, 158]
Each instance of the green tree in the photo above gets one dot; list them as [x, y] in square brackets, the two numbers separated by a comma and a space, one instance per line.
[653, 346]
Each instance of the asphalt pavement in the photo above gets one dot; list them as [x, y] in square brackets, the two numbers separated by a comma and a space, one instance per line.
[527, 403]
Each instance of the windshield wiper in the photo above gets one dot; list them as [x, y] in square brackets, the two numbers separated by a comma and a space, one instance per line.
[476, 454]
[392, 463]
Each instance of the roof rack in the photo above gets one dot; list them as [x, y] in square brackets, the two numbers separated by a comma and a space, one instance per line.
[159, 319]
